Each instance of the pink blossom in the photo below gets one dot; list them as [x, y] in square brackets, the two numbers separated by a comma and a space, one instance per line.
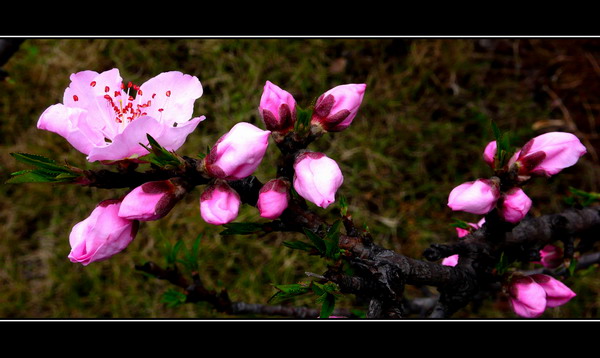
[273, 198]
[102, 234]
[335, 109]
[531, 295]
[151, 201]
[549, 153]
[551, 256]
[515, 204]
[489, 153]
[219, 204]
[450, 260]
[557, 293]
[476, 197]
[317, 178]
[238, 153]
[527, 298]
[100, 117]
[277, 108]
[464, 232]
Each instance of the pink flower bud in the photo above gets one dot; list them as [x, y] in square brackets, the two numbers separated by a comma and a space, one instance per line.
[550, 153]
[551, 256]
[336, 108]
[514, 205]
[238, 153]
[219, 204]
[557, 293]
[273, 198]
[317, 178]
[277, 108]
[450, 260]
[476, 197]
[527, 298]
[102, 234]
[464, 232]
[489, 153]
[151, 201]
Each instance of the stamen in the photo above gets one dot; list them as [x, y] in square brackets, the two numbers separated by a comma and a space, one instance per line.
[93, 83]
[168, 93]
[106, 89]
[75, 98]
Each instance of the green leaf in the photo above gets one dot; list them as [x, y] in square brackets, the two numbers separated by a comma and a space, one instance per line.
[299, 245]
[572, 267]
[173, 298]
[582, 197]
[39, 176]
[496, 131]
[460, 224]
[287, 292]
[242, 229]
[158, 155]
[343, 205]
[191, 257]
[502, 265]
[331, 241]
[316, 240]
[41, 162]
[327, 305]
[303, 117]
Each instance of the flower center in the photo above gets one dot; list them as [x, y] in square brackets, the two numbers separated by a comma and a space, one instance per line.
[125, 105]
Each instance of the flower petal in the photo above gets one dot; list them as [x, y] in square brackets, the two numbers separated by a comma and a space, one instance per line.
[174, 93]
[127, 143]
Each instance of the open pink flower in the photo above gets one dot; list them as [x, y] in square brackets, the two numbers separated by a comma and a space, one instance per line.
[151, 201]
[102, 234]
[335, 109]
[277, 108]
[515, 204]
[317, 178]
[101, 117]
[476, 197]
[219, 204]
[237, 153]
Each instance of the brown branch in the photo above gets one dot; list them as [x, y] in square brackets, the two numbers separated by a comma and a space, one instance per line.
[196, 292]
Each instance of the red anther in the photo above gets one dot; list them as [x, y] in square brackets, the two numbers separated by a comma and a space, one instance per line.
[93, 83]
[153, 95]
[122, 85]
[129, 84]
[144, 114]
[75, 98]
[108, 97]
[106, 89]
[139, 92]
[136, 87]
[160, 109]
[130, 98]
[117, 93]
[168, 93]
[149, 103]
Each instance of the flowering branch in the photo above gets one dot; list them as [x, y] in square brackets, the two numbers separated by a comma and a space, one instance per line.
[128, 125]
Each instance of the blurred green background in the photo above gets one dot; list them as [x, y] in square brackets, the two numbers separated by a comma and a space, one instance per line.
[420, 132]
